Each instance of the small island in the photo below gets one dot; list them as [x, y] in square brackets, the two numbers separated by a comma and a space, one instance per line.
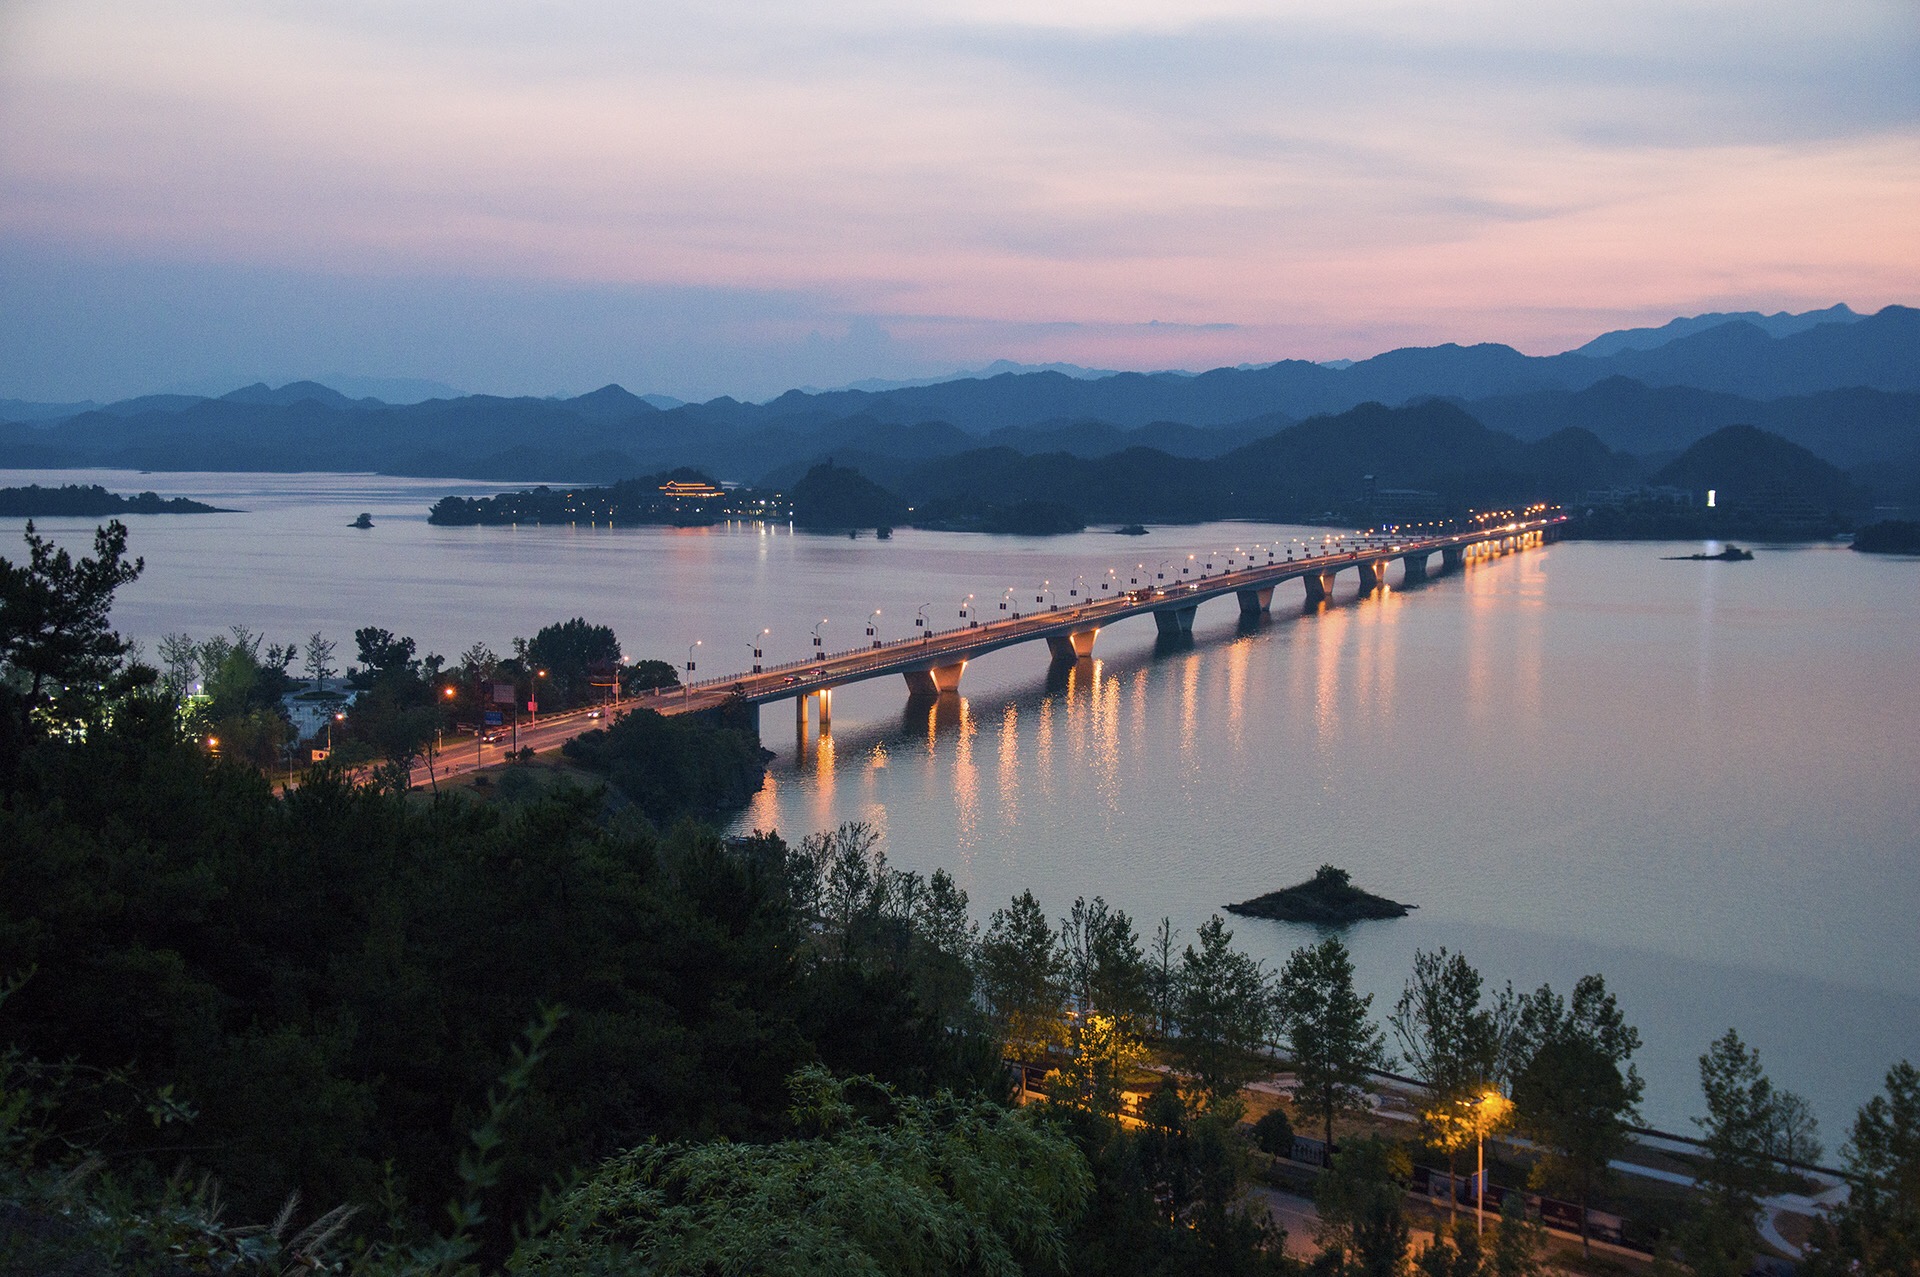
[1132, 530]
[364, 521]
[1732, 554]
[1889, 536]
[1328, 898]
[90, 501]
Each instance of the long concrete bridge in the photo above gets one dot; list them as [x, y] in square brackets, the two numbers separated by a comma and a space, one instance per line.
[932, 662]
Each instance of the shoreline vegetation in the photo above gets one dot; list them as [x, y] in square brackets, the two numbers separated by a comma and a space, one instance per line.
[537, 1031]
[1329, 898]
[91, 501]
[1889, 536]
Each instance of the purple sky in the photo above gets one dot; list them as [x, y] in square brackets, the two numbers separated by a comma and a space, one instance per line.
[710, 197]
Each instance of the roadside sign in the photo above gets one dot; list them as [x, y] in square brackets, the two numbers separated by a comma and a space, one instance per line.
[533, 707]
[503, 693]
[495, 718]
[320, 755]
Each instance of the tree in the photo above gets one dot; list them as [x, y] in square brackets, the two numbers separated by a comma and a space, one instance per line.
[568, 654]
[1104, 1054]
[1594, 1017]
[1741, 1107]
[1333, 1043]
[1101, 960]
[1020, 975]
[1226, 1014]
[1453, 1252]
[180, 659]
[319, 657]
[1163, 978]
[1572, 1100]
[1877, 1229]
[57, 653]
[384, 657]
[642, 676]
[1794, 1135]
[1518, 1243]
[1452, 1043]
[1362, 1204]
[936, 1185]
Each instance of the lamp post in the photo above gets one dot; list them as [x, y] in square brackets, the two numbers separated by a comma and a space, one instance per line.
[819, 652]
[686, 688]
[753, 645]
[873, 632]
[966, 605]
[1489, 1110]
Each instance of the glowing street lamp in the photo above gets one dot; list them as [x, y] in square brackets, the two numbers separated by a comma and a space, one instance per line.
[1487, 1112]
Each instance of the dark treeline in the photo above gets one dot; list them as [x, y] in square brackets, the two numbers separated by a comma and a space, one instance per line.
[1331, 469]
[90, 501]
[546, 1037]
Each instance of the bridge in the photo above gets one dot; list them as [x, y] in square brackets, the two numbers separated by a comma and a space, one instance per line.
[932, 662]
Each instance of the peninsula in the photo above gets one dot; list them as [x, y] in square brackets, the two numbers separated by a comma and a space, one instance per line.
[90, 501]
[1328, 898]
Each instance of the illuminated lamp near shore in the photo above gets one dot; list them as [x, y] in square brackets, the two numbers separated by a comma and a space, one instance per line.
[1710, 498]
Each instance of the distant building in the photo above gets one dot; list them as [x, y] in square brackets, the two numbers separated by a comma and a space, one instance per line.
[309, 709]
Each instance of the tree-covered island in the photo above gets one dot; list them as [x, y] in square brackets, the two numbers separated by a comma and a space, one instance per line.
[676, 498]
[1328, 898]
[91, 501]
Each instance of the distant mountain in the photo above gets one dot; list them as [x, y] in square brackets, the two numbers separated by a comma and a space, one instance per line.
[392, 390]
[1300, 472]
[294, 392]
[1848, 390]
[32, 410]
[1743, 465]
[1781, 324]
[1850, 428]
[998, 367]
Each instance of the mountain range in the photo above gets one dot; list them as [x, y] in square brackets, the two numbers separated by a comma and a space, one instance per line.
[1844, 386]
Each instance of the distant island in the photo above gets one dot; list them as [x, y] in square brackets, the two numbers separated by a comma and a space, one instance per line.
[1732, 554]
[1328, 898]
[1132, 530]
[364, 521]
[91, 501]
[677, 498]
[1889, 536]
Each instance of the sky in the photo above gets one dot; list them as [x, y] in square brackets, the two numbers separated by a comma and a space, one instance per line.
[740, 196]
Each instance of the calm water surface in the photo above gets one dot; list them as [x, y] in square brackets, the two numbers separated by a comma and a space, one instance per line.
[1701, 779]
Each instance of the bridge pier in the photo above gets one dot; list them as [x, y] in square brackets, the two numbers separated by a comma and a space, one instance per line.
[1254, 602]
[935, 680]
[1451, 557]
[1372, 574]
[1319, 585]
[1074, 646]
[1416, 566]
[825, 698]
[1175, 621]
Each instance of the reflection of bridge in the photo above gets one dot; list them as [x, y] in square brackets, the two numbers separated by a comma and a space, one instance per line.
[933, 662]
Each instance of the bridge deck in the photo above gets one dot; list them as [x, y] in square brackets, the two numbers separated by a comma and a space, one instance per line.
[938, 650]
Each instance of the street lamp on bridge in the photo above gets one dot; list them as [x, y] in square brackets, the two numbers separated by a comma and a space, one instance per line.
[819, 653]
[753, 645]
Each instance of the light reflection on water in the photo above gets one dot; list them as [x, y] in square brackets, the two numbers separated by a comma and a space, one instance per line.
[1698, 778]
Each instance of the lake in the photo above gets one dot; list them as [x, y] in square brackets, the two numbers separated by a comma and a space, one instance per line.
[1700, 779]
